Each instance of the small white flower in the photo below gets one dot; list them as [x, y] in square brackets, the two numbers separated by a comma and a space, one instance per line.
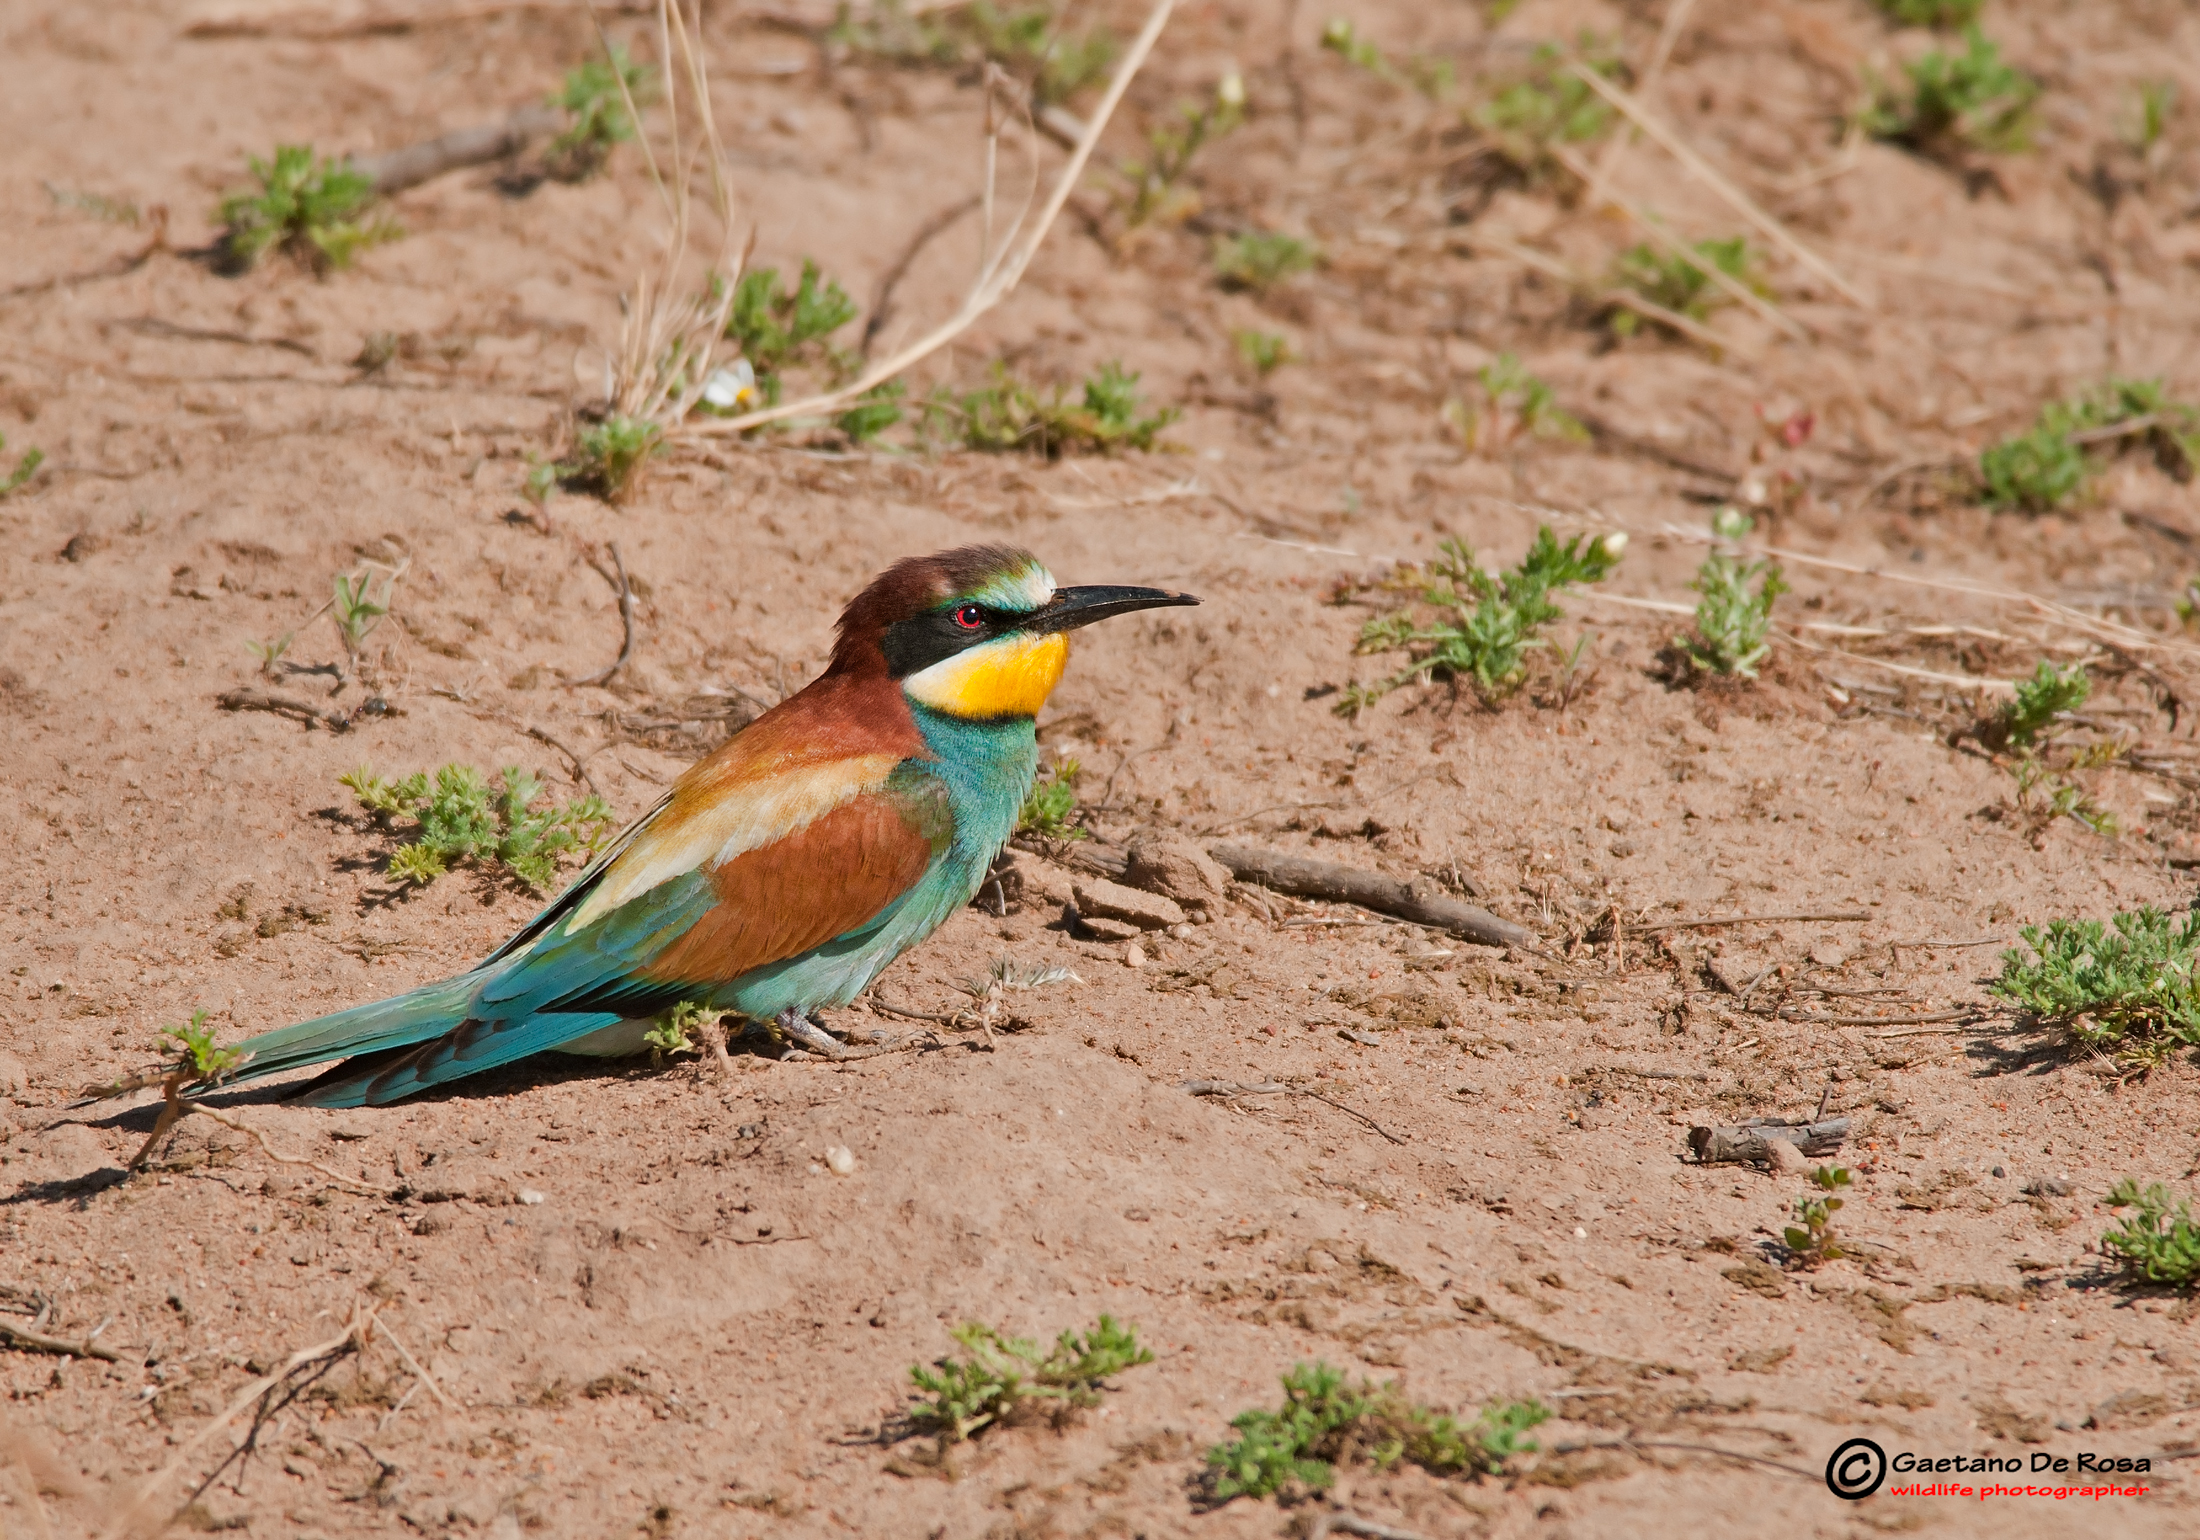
[730, 385]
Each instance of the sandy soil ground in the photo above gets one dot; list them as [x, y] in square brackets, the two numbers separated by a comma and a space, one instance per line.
[647, 1304]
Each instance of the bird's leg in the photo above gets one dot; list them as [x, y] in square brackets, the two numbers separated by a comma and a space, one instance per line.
[807, 1033]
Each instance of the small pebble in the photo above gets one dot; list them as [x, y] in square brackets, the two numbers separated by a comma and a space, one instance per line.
[530, 1197]
[1998, 1171]
[1134, 956]
[1580, 1234]
[841, 1160]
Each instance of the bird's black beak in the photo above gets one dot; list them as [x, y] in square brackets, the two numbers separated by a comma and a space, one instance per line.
[1074, 607]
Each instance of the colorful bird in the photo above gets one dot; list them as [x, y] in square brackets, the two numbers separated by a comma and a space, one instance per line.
[782, 873]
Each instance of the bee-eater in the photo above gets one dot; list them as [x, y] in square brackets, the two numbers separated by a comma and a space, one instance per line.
[783, 872]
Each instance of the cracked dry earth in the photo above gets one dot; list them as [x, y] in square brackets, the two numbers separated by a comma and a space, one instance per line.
[647, 1302]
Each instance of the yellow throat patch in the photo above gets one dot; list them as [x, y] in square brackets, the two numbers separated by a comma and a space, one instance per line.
[1011, 676]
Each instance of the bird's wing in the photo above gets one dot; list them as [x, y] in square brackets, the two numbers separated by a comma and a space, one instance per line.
[677, 932]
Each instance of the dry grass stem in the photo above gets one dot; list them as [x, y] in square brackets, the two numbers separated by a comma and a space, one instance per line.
[1739, 201]
[1669, 33]
[997, 278]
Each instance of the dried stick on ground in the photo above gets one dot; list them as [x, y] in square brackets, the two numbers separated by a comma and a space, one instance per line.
[997, 280]
[12, 1336]
[397, 170]
[1738, 200]
[1751, 1143]
[882, 302]
[1419, 900]
[624, 588]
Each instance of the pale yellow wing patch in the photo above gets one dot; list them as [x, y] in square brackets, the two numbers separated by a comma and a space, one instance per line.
[1011, 676]
[746, 815]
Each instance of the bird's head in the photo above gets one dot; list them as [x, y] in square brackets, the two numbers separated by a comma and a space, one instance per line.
[979, 632]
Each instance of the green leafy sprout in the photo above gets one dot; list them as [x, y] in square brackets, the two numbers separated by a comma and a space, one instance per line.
[674, 1030]
[1258, 260]
[597, 93]
[1680, 285]
[1170, 147]
[196, 1041]
[1514, 401]
[779, 327]
[2146, 116]
[458, 816]
[1052, 803]
[1000, 1378]
[2125, 990]
[25, 468]
[604, 461]
[1325, 1421]
[1811, 1241]
[1546, 106]
[2159, 1243]
[357, 608]
[1932, 13]
[2046, 468]
[1107, 415]
[1486, 624]
[876, 410]
[1026, 42]
[1263, 352]
[2048, 695]
[1971, 100]
[1734, 611]
[313, 209]
[2037, 810]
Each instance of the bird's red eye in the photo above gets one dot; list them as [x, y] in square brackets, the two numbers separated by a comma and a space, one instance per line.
[970, 617]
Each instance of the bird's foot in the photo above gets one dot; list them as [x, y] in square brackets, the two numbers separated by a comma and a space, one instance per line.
[809, 1034]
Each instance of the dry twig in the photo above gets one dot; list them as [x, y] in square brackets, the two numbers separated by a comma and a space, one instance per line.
[624, 588]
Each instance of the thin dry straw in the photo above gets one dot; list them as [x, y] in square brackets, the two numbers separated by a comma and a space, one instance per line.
[996, 281]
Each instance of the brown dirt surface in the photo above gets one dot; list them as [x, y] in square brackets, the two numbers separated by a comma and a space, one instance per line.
[648, 1302]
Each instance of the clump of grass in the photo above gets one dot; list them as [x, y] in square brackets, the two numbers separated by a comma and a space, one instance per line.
[597, 94]
[1734, 613]
[1680, 285]
[778, 327]
[1514, 401]
[2048, 695]
[2160, 1242]
[2047, 467]
[1258, 260]
[1325, 1421]
[25, 468]
[1107, 414]
[604, 460]
[1485, 624]
[1950, 103]
[195, 1040]
[458, 816]
[2125, 990]
[1932, 13]
[675, 1029]
[1264, 352]
[998, 1379]
[359, 606]
[314, 209]
[1548, 105]
[1053, 802]
[2045, 794]
[1811, 1240]
[1171, 144]
[1030, 45]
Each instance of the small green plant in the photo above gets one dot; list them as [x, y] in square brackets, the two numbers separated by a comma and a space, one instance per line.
[1000, 1378]
[1485, 624]
[1955, 102]
[1258, 260]
[1264, 352]
[596, 93]
[2146, 116]
[115, 211]
[2050, 693]
[1682, 286]
[2062, 797]
[1029, 45]
[458, 816]
[270, 653]
[313, 209]
[1325, 1421]
[605, 459]
[2125, 990]
[876, 410]
[674, 1030]
[1341, 38]
[1052, 803]
[25, 468]
[1811, 1241]
[1514, 401]
[2046, 468]
[1548, 105]
[2159, 1243]
[779, 327]
[1170, 146]
[196, 1041]
[1932, 13]
[1008, 414]
[1733, 619]
[358, 608]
